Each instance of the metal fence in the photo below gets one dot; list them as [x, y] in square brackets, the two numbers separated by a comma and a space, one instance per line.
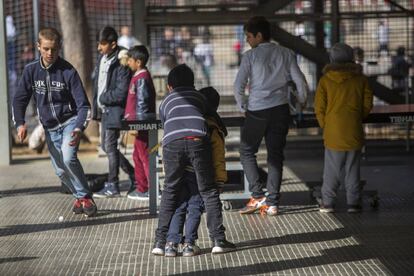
[377, 27]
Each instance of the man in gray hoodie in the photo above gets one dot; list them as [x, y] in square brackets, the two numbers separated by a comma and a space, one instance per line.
[266, 69]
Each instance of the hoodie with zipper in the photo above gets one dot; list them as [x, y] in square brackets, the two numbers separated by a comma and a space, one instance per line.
[343, 99]
[58, 93]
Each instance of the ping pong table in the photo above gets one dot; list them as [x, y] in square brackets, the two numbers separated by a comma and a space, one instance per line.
[392, 114]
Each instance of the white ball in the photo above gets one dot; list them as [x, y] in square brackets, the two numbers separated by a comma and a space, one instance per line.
[61, 218]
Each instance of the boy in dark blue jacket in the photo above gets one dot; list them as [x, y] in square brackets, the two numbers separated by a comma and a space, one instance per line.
[63, 110]
[110, 90]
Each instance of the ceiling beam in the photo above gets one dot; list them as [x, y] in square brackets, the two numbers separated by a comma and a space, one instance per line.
[299, 45]
[214, 15]
[226, 17]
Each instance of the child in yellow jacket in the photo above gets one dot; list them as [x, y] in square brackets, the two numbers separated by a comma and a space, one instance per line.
[191, 205]
[343, 99]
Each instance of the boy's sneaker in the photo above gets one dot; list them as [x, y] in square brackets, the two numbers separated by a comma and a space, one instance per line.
[269, 210]
[109, 190]
[353, 209]
[190, 249]
[77, 206]
[136, 195]
[222, 246]
[171, 249]
[253, 205]
[326, 209]
[159, 249]
[89, 206]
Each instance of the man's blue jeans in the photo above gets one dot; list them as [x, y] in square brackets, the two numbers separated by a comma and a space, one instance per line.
[65, 159]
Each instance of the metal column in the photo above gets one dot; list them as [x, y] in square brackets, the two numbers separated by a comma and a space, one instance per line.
[5, 141]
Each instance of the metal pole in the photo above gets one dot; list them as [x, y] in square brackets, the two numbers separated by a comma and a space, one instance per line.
[407, 92]
[153, 181]
[335, 21]
[36, 22]
[139, 13]
[5, 141]
[408, 124]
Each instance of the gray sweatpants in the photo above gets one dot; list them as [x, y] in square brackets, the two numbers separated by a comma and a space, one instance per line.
[341, 167]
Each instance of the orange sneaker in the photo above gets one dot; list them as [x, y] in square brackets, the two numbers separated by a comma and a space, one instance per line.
[269, 210]
[253, 205]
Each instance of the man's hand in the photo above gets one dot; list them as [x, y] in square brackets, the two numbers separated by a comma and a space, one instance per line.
[22, 133]
[76, 136]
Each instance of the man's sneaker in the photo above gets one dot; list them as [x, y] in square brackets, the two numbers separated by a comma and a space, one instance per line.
[222, 246]
[171, 249]
[269, 210]
[253, 205]
[77, 206]
[109, 190]
[326, 209]
[138, 195]
[158, 249]
[89, 206]
[353, 209]
[190, 249]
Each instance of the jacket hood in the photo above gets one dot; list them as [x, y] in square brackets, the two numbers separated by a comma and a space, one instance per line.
[340, 72]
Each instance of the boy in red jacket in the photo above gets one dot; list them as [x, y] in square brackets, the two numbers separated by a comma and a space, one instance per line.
[140, 103]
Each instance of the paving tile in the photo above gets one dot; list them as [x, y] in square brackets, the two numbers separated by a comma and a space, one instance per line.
[300, 241]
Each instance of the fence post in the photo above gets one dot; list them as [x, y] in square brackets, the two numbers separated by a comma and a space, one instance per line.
[5, 141]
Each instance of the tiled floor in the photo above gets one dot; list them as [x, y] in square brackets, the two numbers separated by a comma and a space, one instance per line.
[301, 241]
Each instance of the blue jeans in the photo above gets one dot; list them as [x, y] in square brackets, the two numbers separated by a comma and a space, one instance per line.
[273, 125]
[176, 156]
[191, 205]
[65, 159]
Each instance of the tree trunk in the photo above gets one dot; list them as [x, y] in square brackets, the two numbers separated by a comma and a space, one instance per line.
[76, 47]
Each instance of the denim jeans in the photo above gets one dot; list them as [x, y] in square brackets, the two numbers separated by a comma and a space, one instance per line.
[176, 155]
[273, 125]
[109, 144]
[190, 205]
[65, 159]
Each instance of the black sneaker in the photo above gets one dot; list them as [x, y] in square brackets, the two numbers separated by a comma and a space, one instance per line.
[158, 249]
[222, 246]
[171, 249]
[354, 209]
[108, 191]
[190, 250]
[326, 209]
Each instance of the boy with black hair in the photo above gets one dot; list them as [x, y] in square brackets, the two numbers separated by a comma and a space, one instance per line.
[140, 104]
[63, 110]
[190, 202]
[185, 142]
[267, 68]
[111, 80]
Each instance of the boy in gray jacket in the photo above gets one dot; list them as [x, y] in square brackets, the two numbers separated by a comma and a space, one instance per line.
[266, 68]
